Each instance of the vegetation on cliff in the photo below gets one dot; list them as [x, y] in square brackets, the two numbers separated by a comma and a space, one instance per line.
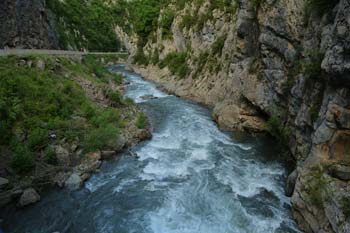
[49, 102]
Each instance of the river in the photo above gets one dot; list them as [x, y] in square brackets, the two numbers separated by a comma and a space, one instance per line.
[190, 178]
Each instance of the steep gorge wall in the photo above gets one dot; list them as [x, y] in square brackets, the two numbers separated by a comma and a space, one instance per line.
[26, 24]
[269, 66]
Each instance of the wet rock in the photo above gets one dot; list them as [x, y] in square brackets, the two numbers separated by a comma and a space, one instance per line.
[107, 154]
[341, 172]
[29, 196]
[291, 181]
[3, 182]
[94, 156]
[74, 182]
[148, 97]
[60, 179]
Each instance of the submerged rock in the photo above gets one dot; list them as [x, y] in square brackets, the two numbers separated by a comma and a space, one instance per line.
[3, 182]
[74, 182]
[29, 196]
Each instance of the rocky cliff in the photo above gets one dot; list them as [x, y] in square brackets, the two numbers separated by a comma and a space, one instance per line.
[281, 66]
[25, 24]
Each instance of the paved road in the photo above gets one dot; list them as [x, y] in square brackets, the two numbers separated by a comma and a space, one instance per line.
[6, 52]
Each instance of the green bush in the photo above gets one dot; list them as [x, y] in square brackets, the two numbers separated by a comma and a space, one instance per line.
[38, 139]
[115, 97]
[101, 138]
[177, 63]
[218, 45]
[22, 158]
[50, 156]
[165, 23]
[140, 58]
[118, 79]
[141, 122]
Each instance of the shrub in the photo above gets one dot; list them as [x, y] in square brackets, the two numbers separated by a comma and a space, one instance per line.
[118, 79]
[37, 139]
[101, 138]
[115, 97]
[141, 121]
[140, 57]
[165, 23]
[177, 64]
[50, 156]
[22, 158]
[218, 45]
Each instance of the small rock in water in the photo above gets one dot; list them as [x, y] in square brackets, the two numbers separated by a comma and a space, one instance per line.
[74, 182]
[107, 154]
[148, 97]
[28, 197]
[3, 182]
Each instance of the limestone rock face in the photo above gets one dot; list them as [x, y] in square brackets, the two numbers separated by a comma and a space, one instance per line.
[26, 24]
[276, 62]
[28, 197]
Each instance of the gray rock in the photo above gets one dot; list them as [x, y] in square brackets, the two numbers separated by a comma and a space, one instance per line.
[62, 155]
[40, 65]
[74, 182]
[291, 181]
[341, 172]
[29, 196]
[3, 182]
[107, 154]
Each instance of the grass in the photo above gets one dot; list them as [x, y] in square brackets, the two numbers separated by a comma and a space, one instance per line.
[36, 103]
[141, 122]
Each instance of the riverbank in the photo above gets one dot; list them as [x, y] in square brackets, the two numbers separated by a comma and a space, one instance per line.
[61, 116]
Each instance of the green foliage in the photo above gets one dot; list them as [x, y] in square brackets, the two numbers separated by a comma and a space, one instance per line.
[50, 156]
[34, 103]
[218, 45]
[140, 57]
[22, 158]
[118, 79]
[38, 139]
[141, 122]
[104, 137]
[115, 97]
[177, 64]
[94, 21]
[165, 23]
[155, 57]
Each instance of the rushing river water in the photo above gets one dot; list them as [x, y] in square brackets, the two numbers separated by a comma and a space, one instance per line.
[190, 178]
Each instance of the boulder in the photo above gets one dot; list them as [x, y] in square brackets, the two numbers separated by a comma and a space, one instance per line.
[29, 196]
[40, 65]
[62, 155]
[3, 182]
[291, 181]
[74, 182]
[107, 154]
[340, 171]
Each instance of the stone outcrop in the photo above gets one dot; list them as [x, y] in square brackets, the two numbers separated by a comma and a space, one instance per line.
[279, 63]
[29, 196]
[26, 24]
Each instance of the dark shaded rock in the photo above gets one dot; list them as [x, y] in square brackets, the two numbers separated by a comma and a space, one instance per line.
[291, 181]
[340, 171]
[29, 196]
